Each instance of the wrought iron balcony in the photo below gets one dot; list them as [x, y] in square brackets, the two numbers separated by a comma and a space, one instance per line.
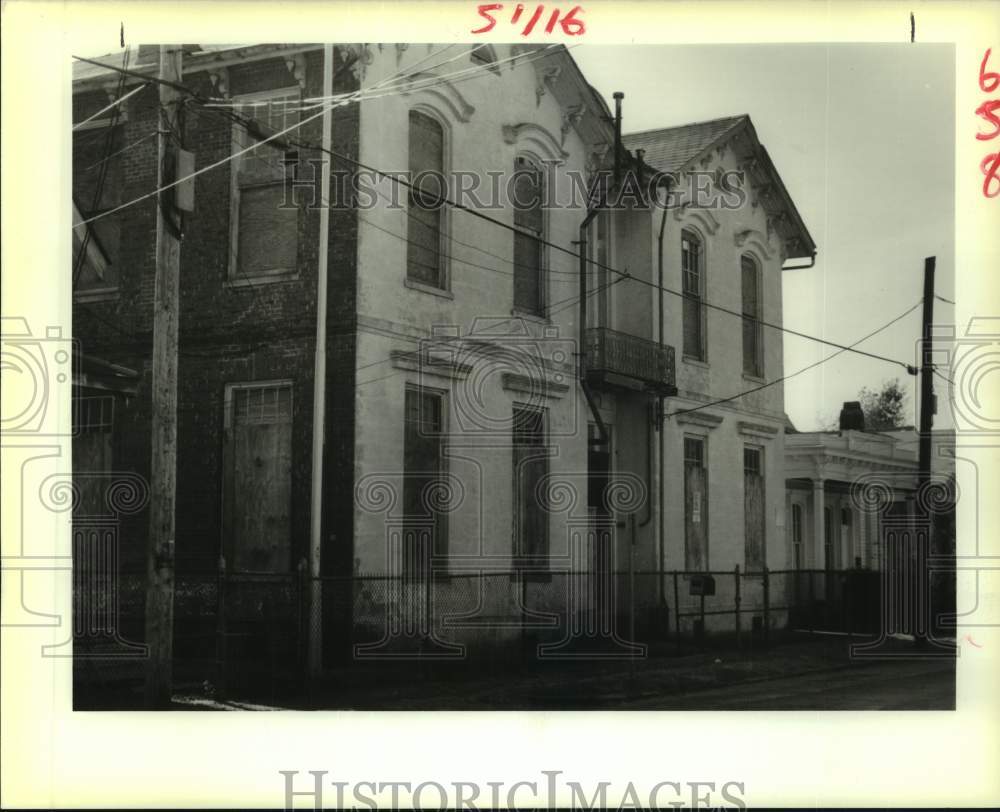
[620, 360]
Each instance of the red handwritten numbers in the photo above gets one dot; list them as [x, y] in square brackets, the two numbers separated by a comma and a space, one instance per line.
[570, 22]
[989, 81]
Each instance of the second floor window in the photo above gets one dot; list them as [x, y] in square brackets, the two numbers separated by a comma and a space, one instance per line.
[753, 357]
[693, 286]
[97, 185]
[424, 261]
[264, 224]
[598, 282]
[529, 284]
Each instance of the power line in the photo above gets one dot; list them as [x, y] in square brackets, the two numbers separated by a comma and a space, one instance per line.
[251, 127]
[797, 372]
[115, 103]
[943, 299]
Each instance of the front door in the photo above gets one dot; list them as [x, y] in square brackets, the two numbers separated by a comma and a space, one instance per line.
[259, 474]
[695, 505]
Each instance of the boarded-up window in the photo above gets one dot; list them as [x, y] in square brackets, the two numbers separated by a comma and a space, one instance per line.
[695, 505]
[425, 531]
[530, 465]
[93, 426]
[424, 221]
[753, 359]
[97, 189]
[529, 288]
[693, 288]
[753, 508]
[265, 219]
[599, 302]
[258, 478]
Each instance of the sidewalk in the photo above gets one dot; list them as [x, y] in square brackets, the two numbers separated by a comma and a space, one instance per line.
[577, 685]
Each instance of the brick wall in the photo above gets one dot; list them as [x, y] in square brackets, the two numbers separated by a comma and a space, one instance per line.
[228, 332]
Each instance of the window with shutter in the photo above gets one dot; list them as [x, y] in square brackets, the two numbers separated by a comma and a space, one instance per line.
[424, 259]
[425, 527]
[693, 282]
[753, 508]
[265, 230]
[530, 465]
[529, 287]
[753, 362]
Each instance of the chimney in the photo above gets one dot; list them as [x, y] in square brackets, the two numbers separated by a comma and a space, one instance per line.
[618, 96]
[851, 416]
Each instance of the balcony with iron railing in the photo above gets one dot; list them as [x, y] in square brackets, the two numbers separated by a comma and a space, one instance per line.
[619, 360]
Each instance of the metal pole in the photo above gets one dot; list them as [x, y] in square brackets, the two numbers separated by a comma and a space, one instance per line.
[739, 624]
[677, 613]
[767, 604]
[315, 650]
[221, 653]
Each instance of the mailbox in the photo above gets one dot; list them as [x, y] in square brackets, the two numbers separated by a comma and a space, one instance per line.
[702, 585]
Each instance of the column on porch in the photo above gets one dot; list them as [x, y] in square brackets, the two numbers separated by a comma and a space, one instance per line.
[819, 540]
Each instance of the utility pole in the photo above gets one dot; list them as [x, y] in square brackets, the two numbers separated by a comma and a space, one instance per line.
[163, 474]
[927, 405]
[927, 409]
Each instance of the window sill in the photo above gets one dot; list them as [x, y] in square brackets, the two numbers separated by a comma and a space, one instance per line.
[243, 281]
[444, 293]
[95, 295]
[754, 378]
[531, 576]
[530, 315]
[695, 362]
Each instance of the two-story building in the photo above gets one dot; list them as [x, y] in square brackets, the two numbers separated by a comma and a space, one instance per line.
[495, 457]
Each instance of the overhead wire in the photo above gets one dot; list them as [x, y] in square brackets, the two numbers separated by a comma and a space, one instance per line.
[790, 375]
[480, 215]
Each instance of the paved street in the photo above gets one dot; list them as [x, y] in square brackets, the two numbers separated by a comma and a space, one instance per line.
[907, 685]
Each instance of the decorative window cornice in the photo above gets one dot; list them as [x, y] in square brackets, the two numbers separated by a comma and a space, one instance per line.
[704, 217]
[758, 430]
[534, 136]
[441, 365]
[704, 419]
[527, 385]
[753, 239]
[443, 90]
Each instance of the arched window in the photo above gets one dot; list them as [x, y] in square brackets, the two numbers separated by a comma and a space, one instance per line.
[529, 282]
[693, 286]
[424, 260]
[753, 348]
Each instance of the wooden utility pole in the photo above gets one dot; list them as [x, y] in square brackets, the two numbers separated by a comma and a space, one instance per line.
[163, 474]
[927, 405]
[927, 409]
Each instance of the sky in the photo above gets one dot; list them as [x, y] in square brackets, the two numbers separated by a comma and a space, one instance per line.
[863, 138]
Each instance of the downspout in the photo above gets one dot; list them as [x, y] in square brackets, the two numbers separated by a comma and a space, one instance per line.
[602, 428]
[582, 330]
[660, 531]
[315, 653]
[640, 155]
